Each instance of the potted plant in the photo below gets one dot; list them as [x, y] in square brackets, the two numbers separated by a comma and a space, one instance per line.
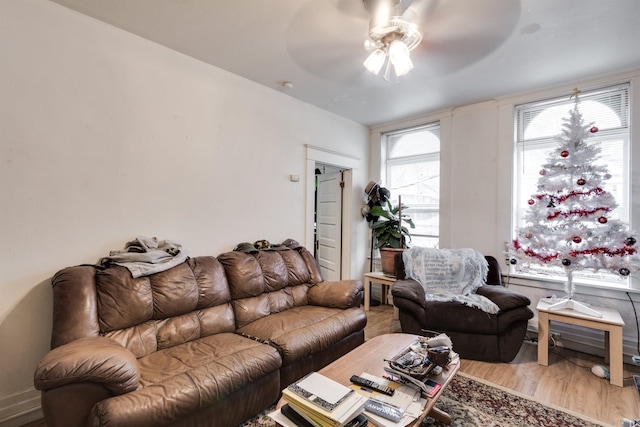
[391, 234]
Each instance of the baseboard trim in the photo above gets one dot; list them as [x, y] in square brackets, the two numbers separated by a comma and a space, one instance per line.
[20, 408]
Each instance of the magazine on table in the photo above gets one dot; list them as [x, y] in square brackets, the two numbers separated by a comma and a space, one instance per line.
[397, 410]
[321, 391]
[323, 401]
[427, 386]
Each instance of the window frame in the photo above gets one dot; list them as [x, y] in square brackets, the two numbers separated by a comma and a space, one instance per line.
[625, 208]
[388, 162]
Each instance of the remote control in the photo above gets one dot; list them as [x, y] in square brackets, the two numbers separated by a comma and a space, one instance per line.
[372, 385]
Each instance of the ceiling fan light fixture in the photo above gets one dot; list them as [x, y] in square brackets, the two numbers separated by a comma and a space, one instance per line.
[370, 45]
[400, 57]
[375, 61]
[390, 36]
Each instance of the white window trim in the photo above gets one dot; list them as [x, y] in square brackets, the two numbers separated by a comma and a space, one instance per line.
[506, 132]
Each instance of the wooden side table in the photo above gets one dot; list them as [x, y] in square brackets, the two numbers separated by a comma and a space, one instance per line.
[610, 322]
[385, 281]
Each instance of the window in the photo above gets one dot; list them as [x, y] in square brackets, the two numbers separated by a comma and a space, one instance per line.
[537, 128]
[412, 170]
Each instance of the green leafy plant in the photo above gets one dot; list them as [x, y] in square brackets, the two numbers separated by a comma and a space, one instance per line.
[389, 228]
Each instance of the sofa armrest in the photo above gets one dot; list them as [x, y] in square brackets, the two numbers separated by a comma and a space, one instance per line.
[338, 294]
[94, 360]
[504, 298]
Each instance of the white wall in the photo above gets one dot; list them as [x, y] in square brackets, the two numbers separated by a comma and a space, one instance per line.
[105, 136]
[473, 177]
[475, 206]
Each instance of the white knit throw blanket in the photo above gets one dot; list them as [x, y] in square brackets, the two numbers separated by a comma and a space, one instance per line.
[450, 275]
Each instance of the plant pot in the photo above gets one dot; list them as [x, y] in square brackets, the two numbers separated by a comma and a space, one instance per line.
[386, 259]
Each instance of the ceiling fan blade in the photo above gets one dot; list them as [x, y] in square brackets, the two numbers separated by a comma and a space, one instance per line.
[457, 34]
[353, 8]
[418, 10]
[316, 46]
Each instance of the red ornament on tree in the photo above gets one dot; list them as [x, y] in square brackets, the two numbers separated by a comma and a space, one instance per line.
[577, 239]
[565, 153]
[593, 129]
[582, 181]
[543, 172]
[531, 201]
[603, 220]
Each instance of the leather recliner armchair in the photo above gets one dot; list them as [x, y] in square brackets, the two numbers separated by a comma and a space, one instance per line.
[475, 334]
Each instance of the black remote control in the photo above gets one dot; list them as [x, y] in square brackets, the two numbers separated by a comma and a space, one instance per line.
[372, 385]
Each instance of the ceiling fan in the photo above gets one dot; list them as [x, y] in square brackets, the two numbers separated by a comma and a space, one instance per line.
[326, 37]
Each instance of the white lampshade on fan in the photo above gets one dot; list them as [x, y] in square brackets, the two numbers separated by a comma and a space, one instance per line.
[375, 61]
[400, 57]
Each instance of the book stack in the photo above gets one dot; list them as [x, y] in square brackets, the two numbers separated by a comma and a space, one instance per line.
[397, 409]
[316, 400]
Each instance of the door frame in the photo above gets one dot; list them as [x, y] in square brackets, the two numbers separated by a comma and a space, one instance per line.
[347, 164]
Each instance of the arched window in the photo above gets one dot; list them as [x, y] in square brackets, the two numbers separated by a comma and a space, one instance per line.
[412, 170]
[538, 126]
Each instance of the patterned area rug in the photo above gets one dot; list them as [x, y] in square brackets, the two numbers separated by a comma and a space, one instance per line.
[473, 403]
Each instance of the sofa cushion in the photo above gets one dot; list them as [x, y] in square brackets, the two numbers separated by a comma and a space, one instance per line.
[313, 269]
[155, 335]
[177, 381]
[243, 273]
[302, 331]
[274, 270]
[213, 288]
[455, 316]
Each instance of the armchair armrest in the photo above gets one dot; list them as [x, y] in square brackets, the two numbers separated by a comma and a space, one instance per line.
[338, 294]
[94, 360]
[504, 298]
[408, 296]
[409, 289]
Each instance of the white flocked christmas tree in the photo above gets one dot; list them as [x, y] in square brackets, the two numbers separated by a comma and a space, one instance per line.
[568, 223]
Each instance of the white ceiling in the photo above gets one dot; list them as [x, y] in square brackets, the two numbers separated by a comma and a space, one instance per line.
[473, 50]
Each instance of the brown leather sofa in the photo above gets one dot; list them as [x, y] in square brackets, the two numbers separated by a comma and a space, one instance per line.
[475, 334]
[210, 342]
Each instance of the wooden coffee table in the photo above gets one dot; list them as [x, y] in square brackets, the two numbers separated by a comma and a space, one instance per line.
[369, 358]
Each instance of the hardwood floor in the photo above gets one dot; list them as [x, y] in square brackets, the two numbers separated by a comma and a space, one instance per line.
[567, 382]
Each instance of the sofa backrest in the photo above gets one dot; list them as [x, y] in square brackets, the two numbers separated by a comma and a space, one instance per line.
[268, 281]
[200, 297]
[145, 314]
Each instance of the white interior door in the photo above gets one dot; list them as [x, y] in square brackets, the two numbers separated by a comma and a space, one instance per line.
[329, 225]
